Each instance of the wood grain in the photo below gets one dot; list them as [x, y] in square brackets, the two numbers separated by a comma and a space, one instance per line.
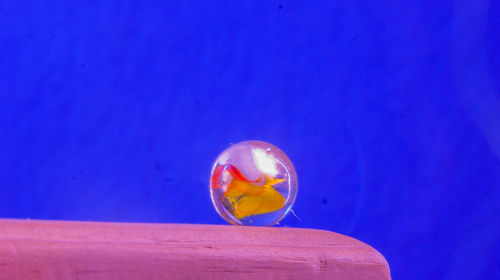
[89, 250]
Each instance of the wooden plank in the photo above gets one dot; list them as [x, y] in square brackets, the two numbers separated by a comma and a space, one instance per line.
[88, 250]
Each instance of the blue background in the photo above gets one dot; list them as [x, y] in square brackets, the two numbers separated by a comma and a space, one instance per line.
[390, 112]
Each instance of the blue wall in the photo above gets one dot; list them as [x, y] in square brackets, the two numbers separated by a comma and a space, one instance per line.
[390, 112]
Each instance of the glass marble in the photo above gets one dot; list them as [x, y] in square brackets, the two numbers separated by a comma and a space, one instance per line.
[253, 183]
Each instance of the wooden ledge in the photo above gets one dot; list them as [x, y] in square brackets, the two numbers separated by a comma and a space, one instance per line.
[89, 250]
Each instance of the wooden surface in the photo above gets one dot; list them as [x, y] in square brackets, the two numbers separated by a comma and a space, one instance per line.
[87, 250]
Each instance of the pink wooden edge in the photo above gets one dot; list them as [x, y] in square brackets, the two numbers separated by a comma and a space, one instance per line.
[90, 250]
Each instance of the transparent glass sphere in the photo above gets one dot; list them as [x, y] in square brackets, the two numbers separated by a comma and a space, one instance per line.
[253, 183]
